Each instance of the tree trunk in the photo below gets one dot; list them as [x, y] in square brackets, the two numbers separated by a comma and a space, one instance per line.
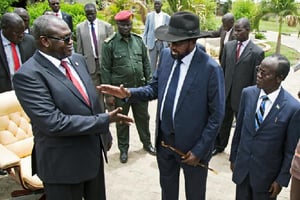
[278, 44]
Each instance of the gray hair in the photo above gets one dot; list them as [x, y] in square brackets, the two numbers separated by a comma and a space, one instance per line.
[41, 25]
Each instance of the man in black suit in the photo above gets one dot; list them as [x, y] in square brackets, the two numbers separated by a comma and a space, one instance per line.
[55, 6]
[71, 132]
[239, 60]
[12, 34]
[225, 32]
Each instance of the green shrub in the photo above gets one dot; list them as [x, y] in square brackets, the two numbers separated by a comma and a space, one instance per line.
[5, 6]
[259, 36]
[245, 8]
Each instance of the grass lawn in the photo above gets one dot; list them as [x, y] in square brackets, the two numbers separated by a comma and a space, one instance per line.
[274, 25]
[290, 53]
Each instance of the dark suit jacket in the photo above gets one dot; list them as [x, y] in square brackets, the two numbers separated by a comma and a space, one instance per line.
[219, 33]
[242, 73]
[68, 19]
[69, 135]
[200, 107]
[27, 49]
[266, 154]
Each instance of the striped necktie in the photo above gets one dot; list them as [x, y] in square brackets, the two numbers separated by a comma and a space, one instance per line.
[259, 115]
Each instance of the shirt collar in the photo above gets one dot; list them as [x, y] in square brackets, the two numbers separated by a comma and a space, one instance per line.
[53, 60]
[5, 41]
[271, 96]
[188, 58]
[244, 43]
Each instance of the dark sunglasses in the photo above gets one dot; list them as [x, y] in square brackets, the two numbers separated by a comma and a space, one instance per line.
[53, 4]
[66, 39]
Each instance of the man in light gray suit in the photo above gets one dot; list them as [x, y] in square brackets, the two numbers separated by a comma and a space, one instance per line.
[239, 60]
[155, 19]
[89, 47]
[266, 134]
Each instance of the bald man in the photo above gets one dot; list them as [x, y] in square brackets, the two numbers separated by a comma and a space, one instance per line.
[25, 16]
[225, 32]
[13, 44]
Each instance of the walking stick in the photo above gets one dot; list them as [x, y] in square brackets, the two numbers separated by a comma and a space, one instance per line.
[184, 155]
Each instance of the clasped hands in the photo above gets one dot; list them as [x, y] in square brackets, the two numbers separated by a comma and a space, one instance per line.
[120, 92]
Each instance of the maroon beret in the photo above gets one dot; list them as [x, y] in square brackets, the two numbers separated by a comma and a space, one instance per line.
[124, 15]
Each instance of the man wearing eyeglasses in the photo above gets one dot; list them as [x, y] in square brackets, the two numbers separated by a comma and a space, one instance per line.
[71, 130]
[266, 134]
[15, 48]
[55, 6]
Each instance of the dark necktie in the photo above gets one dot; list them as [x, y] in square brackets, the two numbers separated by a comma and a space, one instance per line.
[76, 83]
[15, 56]
[94, 39]
[260, 112]
[238, 50]
[167, 125]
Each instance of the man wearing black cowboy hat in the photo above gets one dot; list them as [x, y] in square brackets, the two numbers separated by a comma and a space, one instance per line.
[189, 86]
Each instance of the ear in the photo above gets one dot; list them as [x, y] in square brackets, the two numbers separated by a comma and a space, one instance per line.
[44, 41]
[279, 78]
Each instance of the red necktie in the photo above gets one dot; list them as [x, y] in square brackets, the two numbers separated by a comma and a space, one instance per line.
[15, 56]
[238, 50]
[75, 81]
[94, 39]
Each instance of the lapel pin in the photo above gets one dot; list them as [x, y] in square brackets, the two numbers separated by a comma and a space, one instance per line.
[277, 106]
[76, 63]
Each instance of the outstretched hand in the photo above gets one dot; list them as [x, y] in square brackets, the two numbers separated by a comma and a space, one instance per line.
[116, 116]
[119, 92]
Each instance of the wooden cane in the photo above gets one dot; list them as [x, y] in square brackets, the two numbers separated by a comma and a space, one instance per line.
[184, 156]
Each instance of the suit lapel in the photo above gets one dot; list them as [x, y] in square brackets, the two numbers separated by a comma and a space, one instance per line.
[277, 106]
[54, 71]
[252, 108]
[87, 34]
[190, 76]
[3, 60]
[246, 52]
[165, 71]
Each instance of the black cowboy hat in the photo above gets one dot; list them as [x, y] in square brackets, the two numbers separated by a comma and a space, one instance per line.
[183, 25]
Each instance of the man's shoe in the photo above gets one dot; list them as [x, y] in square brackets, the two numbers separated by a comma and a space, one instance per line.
[150, 149]
[123, 157]
[2, 172]
[216, 151]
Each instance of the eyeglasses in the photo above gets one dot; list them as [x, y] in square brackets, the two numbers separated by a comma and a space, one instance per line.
[66, 39]
[56, 3]
[262, 72]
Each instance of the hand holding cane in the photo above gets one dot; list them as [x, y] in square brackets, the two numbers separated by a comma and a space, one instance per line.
[184, 155]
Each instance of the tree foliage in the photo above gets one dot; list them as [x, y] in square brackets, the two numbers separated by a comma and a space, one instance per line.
[244, 8]
[205, 9]
[281, 8]
[5, 5]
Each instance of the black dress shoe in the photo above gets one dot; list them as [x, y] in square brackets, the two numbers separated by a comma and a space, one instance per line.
[123, 157]
[2, 172]
[150, 149]
[216, 151]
